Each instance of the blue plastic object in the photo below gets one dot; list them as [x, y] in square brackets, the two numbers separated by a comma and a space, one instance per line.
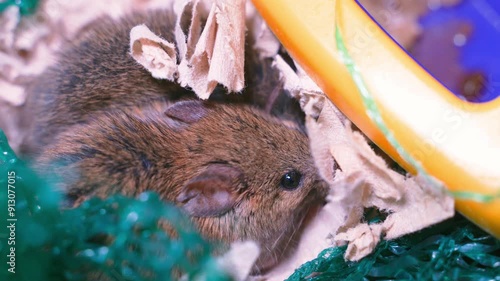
[482, 50]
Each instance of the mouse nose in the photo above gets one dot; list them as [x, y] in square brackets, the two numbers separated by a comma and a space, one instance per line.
[322, 188]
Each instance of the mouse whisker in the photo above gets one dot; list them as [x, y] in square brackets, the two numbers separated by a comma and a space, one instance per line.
[278, 239]
[296, 227]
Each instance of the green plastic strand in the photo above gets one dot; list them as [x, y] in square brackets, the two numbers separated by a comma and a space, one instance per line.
[26, 7]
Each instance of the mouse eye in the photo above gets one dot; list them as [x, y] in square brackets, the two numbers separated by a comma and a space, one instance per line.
[290, 180]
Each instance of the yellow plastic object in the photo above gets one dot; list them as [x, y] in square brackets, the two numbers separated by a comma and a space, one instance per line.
[455, 141]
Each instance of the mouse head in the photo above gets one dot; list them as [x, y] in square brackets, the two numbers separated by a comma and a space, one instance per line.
[256, 178]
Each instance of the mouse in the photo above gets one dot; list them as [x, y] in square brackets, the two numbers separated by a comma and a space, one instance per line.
[239, 174]
[110, 128]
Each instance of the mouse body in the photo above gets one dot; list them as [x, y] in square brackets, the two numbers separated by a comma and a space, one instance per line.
[93, 73]
[109, 127]
[239, 174]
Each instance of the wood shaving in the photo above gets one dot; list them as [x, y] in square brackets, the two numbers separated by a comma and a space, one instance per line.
[216, 56]
[265, 43]
[8, 23]
[12, 94]
[210, 56]
[239, 260]
[154, 53]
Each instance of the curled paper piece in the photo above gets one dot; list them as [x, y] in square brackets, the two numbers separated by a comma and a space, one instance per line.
[8, 22]
[362, 240]
[216, 56]
[10, 67]
[301, 87]
[239, 260]
[32, 34]
[295, 82]
[157, 55]
[264, 41]
[12, 94]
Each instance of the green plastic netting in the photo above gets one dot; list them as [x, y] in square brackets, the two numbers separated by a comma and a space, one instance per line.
[26, 7]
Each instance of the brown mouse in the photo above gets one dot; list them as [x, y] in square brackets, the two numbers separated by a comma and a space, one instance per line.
[239, 173]
[110, 128]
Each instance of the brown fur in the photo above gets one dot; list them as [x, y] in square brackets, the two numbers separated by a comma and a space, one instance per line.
[101, 120]
[141, 149]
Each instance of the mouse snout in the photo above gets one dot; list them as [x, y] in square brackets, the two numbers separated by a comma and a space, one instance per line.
[321, 188]
[319, 191]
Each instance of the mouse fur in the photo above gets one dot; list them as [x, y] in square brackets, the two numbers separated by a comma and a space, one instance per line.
[222, 163]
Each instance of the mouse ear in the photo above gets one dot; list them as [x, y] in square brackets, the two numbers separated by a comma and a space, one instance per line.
[213, 192]
[189, 112]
